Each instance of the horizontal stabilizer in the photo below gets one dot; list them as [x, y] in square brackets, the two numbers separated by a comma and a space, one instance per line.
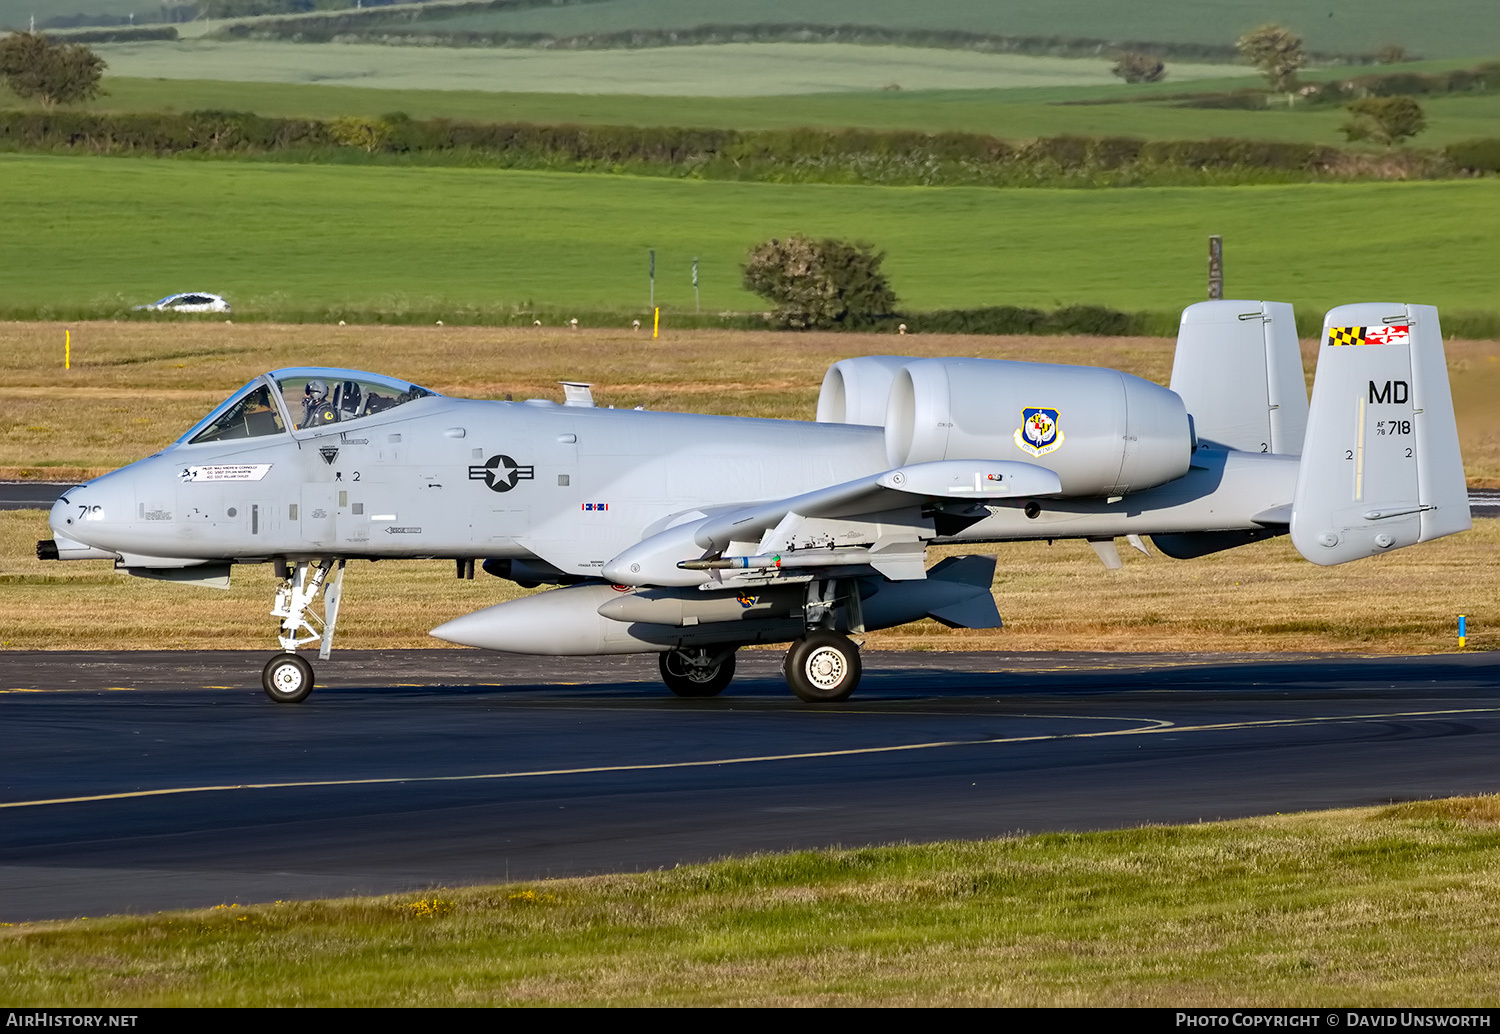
[1381, 467]
[1193, 544]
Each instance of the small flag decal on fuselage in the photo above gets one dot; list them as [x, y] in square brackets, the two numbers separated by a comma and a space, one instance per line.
[1397, 334]
[594, 507]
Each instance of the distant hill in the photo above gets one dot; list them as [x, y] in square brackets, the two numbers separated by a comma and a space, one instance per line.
[1432, 28]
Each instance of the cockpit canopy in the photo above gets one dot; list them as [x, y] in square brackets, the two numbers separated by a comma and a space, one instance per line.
[301, 398]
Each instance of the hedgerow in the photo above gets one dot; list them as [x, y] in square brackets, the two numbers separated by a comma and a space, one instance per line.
[890, 157]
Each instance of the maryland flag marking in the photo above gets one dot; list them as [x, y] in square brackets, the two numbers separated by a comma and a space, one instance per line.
[1393, 335]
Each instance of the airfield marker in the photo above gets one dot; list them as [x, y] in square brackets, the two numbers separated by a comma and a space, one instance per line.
[696, 306]
[655, 323]
[1463, 637]
[67, 349]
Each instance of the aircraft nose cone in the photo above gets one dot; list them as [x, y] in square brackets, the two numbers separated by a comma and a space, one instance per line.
[77, 520]
[58, 518]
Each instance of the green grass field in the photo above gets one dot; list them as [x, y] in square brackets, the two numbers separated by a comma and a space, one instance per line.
[1384, 907]
[279, 236]
[730, 70]
[1438, 28]
[1008, 114]
[338, 86]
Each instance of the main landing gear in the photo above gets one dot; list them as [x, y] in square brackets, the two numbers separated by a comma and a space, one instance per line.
[822, 667]
[701, 672]
[288, 678]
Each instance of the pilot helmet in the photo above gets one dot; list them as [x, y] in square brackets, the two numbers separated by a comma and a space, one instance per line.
[315, 392]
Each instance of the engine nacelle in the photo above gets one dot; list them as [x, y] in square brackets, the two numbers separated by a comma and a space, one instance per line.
[855, 391]
[1101, 431]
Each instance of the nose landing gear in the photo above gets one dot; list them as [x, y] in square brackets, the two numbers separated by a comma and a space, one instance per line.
[288, 678]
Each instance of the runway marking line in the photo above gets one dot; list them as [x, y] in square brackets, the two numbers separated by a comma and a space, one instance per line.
[1157, 726]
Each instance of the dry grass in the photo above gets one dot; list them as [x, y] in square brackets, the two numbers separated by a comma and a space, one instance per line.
[136, 387]
[1381, 907]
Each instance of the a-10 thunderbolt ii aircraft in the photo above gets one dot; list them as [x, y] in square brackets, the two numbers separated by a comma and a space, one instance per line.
[691, 536]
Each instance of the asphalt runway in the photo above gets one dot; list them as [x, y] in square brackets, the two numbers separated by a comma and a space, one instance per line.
[133, 782]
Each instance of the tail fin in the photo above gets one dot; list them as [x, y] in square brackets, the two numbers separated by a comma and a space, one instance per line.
[1238, 369]
[1381, 467]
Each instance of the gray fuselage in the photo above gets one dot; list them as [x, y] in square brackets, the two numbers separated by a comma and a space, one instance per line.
[571, 486]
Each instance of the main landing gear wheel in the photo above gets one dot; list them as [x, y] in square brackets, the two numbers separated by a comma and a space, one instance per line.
[823, 667]
[694, 673]
[288, 679]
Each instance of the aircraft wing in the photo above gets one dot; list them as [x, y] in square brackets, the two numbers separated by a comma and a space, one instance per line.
[874, 521]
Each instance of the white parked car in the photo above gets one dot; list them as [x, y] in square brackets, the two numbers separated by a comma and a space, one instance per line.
[195, 301]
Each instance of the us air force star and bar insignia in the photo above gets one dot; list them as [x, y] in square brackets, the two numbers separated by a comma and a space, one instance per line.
[501, 473]
[1039, 433]
[1399, 334]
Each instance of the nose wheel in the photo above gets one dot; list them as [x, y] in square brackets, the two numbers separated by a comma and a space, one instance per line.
[287, 679]
[823, 667]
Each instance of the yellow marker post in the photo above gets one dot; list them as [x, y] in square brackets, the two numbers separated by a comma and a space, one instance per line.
[67, 350]
[1463, 638]
[655, 322]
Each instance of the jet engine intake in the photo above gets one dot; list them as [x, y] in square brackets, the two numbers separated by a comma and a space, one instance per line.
[855, 391]
[1101, 431]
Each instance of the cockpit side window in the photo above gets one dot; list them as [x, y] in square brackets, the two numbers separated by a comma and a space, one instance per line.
[253, 416]
[337, 399]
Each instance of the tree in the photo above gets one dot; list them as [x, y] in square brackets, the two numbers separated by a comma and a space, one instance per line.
[1277, 52]
[820, 283]
[353, 131]
[53, 73]
[1139, 68]
[1386, 120]
[1390, 54]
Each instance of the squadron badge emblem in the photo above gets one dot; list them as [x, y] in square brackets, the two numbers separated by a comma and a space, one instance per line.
[1039, 433]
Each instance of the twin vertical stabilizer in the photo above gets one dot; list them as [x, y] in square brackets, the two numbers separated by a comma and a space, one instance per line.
[1381, 467]
[1238, 369]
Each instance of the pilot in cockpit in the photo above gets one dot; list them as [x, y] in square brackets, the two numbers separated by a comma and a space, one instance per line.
[316, 409]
